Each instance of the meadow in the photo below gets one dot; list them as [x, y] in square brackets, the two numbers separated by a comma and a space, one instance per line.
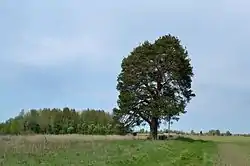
[117, 150]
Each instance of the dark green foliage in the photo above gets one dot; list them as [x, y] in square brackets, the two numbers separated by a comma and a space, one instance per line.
[154, 83]
[65, 121]
[214, 132]
[228, 133]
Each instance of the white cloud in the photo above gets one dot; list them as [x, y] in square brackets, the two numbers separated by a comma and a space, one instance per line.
[90, 36]
[52, 51]
[49, 37]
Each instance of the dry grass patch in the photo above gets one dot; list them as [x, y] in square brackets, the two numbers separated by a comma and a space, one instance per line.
[103, 151]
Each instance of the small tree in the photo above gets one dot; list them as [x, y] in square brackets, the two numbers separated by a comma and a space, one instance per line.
[70, 130]
[142, 131]
[169, 119]
[217, 132]
[154, 83]
[228, 133]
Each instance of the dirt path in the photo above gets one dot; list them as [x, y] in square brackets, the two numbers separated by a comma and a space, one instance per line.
[232, 155]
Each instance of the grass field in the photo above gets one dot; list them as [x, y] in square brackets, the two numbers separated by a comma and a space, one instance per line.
[123, 151]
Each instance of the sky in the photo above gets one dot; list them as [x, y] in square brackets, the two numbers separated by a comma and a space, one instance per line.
[68, 53]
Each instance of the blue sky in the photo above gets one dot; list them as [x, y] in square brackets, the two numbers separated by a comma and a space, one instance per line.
[68, 53]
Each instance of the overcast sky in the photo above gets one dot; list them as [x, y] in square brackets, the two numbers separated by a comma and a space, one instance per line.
[68, 53]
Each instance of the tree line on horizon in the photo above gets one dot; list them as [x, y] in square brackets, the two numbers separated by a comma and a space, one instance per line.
[211, 132]
[88, 122]
[63, 121]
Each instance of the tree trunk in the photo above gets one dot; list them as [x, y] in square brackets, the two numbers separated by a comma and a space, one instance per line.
[154, 128]
[169, 122]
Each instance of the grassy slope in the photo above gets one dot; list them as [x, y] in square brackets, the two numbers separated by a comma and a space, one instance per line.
[233, 150]
[110, 153]
[232, 154]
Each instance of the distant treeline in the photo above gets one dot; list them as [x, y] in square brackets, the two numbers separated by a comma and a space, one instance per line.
[70, 121]
[192, 132]
[63, 121]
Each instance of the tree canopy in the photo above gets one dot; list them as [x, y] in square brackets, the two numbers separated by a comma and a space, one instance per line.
[63, 121]
[154, 83]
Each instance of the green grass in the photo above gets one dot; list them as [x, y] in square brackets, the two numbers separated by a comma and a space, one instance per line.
[223, 139]
[183, 152]
[232, 150]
